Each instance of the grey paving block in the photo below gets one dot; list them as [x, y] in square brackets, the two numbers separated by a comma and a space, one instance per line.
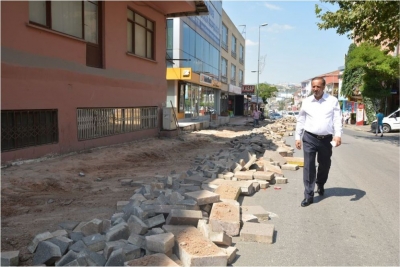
[184, 217]
[77, 246]
[113, 245]
[203, 197]
[46, 253]
[76, 236]
[59, 233]
[160, 243]
[93, 258]
[136, 225]
[158, 259]
[137, 240]
[257, 232]
[119, 231]
[38, 238]
[189, 253]
[155, 221]
[80, 261]
[121, 204]
[92, 227]
[95, 242]
[225, 217]
[67, 258]
[62, 242]
[10, 258]
[117, 258]
[175, 197]
[68, 225]
[131, 252]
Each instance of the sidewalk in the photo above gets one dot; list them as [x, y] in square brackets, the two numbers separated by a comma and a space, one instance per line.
[361, 128]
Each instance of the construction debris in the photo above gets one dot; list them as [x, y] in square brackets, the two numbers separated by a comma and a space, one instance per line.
[185, 219]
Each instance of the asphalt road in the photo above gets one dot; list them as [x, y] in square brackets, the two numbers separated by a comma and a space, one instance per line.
[355, 223]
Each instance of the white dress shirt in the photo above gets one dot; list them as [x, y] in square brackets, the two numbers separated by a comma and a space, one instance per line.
[320, 117]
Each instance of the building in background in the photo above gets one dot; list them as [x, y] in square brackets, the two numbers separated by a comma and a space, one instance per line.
[232, 67]
[193, 63]
[83, 74]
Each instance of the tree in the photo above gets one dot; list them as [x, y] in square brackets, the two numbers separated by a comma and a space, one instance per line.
[374, 21]
[352, 78]
[266, 91]
[373, 72]
[380, 70]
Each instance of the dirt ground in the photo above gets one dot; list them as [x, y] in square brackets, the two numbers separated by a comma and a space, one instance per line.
[37, 196]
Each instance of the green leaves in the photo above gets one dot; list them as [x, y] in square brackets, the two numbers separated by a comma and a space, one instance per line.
[370, 70]
[374, 21]
[266, 91]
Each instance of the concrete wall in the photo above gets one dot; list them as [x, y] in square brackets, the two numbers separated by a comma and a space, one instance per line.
[42, 69]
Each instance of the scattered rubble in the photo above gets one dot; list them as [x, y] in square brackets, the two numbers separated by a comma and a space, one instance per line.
[180, 219]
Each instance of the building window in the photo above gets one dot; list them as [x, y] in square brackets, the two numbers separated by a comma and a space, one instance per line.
[224, 70]
[100, 122]
[241, 54]
[224, 42]
[240, 78]
[67, 17]
[79, 19]
[140, 35]
[233, 74]
[26, 128]
[233, 46]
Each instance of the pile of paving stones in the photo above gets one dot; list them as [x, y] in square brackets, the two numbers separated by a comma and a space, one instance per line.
[180, 219]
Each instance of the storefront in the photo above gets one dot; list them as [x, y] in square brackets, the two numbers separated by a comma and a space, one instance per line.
[248, 105]
[235, 100]
[195, 95]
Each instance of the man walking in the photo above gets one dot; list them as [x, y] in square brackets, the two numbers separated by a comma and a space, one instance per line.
[256, 117]
[318, 123]
[379, 123]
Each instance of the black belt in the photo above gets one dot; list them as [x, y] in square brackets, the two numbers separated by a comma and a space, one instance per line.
[319, 136]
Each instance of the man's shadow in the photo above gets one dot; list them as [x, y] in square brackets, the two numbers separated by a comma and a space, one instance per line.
[342, 192]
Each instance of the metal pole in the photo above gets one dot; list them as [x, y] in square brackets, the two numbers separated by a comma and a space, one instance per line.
[258, 65]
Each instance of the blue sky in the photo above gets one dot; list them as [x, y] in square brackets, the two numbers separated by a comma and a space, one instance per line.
[294, 49]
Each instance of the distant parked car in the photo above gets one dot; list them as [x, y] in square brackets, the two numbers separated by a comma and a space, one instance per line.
[292, 114]
[275, 116]
[391, 122]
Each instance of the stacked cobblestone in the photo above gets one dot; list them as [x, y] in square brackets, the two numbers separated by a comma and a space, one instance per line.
[168, 216]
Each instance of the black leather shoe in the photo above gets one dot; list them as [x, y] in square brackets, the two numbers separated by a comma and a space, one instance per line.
[306, 202]
[321, 190]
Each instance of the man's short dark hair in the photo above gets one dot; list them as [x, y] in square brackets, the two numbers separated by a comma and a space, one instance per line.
[319, 78]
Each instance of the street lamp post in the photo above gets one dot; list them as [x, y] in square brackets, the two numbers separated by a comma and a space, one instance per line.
[258, 65]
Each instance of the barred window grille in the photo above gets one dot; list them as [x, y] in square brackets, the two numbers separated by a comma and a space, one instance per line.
[26, 128]
[100, 122]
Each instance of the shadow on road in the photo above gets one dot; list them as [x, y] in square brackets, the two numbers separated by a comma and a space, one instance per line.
[341, 192]
[392, 139]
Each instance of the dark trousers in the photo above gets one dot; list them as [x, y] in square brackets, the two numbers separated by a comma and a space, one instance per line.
[322, 150]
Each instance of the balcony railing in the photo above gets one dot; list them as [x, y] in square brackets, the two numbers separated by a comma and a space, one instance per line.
[224, 46]
[241, 61]
[233, 54]
[233, 81]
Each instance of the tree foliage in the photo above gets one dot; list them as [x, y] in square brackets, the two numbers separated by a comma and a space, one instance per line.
[379, 70]
[266, 91]
[374, 21]
[352, 78]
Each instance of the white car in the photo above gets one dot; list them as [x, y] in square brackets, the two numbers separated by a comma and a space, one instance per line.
[292, 114]
[391, 122]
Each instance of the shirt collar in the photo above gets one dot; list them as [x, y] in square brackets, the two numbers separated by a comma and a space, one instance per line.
[324, 97]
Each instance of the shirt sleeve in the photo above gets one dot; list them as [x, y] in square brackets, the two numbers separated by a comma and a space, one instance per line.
[301, 119]
[337, 120]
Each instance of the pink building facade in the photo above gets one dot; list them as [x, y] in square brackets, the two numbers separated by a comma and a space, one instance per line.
[83, 76]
